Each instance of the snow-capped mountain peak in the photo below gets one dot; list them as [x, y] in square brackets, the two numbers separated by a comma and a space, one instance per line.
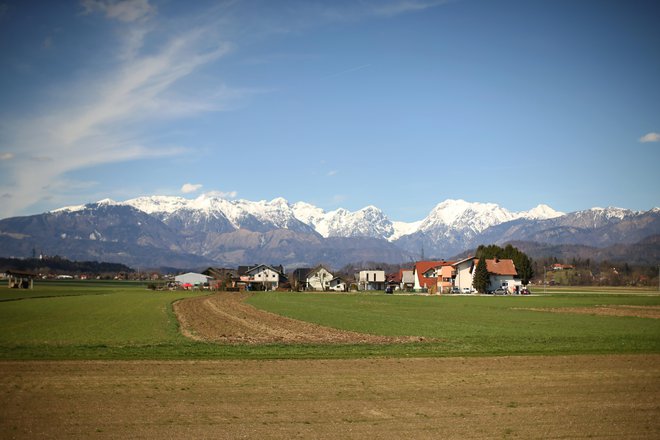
[462, 215]
[541, 212]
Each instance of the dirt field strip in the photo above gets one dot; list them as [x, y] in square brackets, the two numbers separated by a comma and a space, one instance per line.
[225, 318]
[606, 397]
[652, 312]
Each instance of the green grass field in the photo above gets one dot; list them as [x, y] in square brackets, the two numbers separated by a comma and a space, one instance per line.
[95, 320]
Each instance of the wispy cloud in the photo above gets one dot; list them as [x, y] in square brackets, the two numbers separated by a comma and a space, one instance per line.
[188, 188]
[332, 173]
[100, 119]
[650, 137]
[404, 6]
[122, 10]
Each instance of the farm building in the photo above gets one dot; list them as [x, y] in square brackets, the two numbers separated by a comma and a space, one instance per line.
[192, 278]
[20, 280]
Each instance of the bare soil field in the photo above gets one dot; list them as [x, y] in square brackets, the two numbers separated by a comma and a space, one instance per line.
[225, 318]
[615, 396]
[652, 312]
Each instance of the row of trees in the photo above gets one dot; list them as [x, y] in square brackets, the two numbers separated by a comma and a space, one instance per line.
[57, 264]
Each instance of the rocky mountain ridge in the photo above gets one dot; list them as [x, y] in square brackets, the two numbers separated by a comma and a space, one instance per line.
[175, 231]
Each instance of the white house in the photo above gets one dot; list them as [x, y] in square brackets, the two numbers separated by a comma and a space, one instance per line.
[192, 278]
[319, 279]
[263, 275]
[464, 269]
[371, 280]
[338, 285]
[502, 273]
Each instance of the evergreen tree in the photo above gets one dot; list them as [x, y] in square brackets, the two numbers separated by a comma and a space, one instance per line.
[523, 264]
[481, 279]
[524, 268]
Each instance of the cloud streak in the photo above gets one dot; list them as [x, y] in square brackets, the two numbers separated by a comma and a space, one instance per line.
[102, 118]
[123, 10]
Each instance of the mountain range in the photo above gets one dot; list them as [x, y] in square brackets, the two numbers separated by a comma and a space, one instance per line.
[157, 231]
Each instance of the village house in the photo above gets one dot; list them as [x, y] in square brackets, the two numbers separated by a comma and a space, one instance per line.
[371, 280]
[263, 277]
[318, 279]
[338, 284]
[502, 274]
[298, 278]
[426, 273]
[403, 280]
[445, 276]
[559, 266]
[223, 278]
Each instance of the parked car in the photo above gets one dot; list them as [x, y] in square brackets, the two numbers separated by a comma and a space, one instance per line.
[389, 289]
[500, 291]
[455, 290]
[467, 290]
[525, 291]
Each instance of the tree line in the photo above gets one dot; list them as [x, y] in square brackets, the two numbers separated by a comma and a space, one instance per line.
[58, 264]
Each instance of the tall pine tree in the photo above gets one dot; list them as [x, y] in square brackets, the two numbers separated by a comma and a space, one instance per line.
[481, 279]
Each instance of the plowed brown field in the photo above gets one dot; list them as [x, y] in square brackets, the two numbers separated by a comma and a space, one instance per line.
[606, 397]
[652, 312]
[225, 318]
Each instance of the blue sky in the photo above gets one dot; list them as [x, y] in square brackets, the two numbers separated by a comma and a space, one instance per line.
[396, 103]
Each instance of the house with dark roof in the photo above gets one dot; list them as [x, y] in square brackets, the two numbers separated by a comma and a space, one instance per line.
[263, 277]
[402, 280]
[298, 278]
[338, 284]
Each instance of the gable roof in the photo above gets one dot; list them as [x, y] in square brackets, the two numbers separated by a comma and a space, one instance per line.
[263, 267]
[465, 260]
[421, 267]
[496, 266]
[316, 270]
[300, 274]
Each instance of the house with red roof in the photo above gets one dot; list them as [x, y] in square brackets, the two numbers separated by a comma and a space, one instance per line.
[502, 274]
[401, 280]
[426, 273]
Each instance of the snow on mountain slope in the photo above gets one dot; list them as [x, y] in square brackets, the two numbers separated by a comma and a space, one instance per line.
[541, 212]
[404, 228]
[223, 215]
[366, 222]
[476, 217]
[461, 215]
